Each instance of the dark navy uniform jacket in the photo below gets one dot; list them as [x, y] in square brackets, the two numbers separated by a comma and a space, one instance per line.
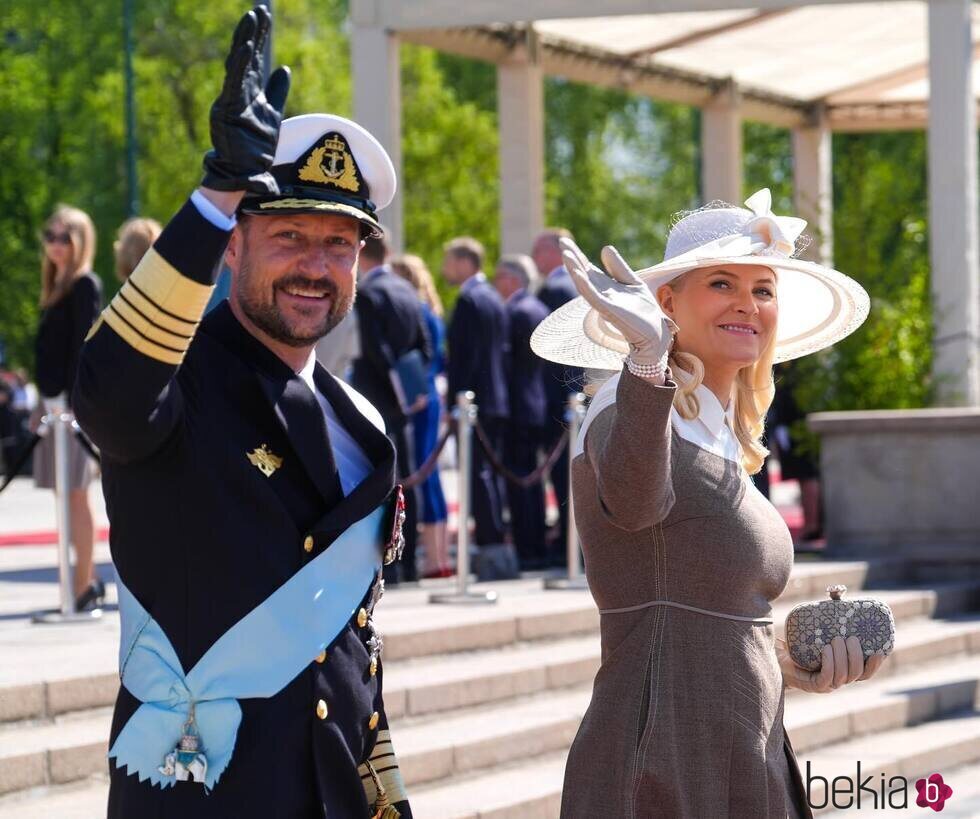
[391, 324]
[560, 380]
[526, 383]
[477, 340]
[201, 535]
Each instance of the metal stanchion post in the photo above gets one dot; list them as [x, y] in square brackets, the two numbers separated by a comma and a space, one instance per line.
[466, 414]
[59, 423]
[575, 579]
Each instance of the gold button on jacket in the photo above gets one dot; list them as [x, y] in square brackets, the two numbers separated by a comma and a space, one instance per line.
[321, 656]
[362, 618]
[373, 722]
[321, 709]
[308, 544]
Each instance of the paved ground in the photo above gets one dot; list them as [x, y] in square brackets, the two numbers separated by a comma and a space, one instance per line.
[27, 515]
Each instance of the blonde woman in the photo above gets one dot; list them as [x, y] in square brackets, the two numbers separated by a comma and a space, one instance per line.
[683, 555]
[71, 298]
[425, 422]
[135, 237]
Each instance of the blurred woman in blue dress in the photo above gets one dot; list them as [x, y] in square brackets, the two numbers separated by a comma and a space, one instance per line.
[426, 422]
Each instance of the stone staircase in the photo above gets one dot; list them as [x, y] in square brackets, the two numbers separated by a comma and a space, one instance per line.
[485, 701]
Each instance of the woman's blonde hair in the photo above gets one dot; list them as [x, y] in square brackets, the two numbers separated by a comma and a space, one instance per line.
[413, 270]
[754, 391]
[81, 231]
[135, 237]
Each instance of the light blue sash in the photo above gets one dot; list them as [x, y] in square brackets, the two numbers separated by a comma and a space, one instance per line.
[257, 657]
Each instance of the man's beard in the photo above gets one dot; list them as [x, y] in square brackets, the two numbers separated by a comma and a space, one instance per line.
[268, 317]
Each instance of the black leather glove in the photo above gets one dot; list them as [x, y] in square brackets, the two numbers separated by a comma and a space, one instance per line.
[244, 118]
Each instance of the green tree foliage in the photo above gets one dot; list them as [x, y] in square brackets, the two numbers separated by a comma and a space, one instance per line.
[880, 239]
[617, 166]
[450, 160]
[768, 163]
[62, 132]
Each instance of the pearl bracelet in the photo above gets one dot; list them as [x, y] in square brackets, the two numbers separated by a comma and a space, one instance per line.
[647, 370]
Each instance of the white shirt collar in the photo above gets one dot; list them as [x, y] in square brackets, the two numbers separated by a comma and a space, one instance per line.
[479, 276]
[307, 372]
[712, 414]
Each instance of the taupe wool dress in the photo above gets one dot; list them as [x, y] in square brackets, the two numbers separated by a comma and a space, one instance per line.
[686, 717]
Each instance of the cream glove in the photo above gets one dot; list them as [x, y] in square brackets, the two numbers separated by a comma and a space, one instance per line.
[843, 662]
[623, 300]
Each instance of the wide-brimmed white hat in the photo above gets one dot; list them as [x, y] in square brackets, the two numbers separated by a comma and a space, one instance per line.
[818, 306]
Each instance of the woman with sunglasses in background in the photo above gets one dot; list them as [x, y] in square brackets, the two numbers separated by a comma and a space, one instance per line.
[71, 299]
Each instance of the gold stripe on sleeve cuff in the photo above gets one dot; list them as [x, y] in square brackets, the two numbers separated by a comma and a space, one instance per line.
[386, 766]
[148, 329]
[139, 343]
[168, 290]
[141, 304]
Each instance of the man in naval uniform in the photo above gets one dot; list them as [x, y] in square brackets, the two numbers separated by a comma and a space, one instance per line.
[250, 492]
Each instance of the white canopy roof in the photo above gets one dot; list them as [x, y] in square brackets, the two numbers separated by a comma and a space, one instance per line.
[866, 62]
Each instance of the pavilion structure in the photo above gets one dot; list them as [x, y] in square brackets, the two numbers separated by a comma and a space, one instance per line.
[813, 68]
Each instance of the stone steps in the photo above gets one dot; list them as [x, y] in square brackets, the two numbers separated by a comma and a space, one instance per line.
[533, 789]
[964, 804]
[34, 683]
[939, 745]
[528, 791]
[452, 715]
[85, 799]
[484, 701]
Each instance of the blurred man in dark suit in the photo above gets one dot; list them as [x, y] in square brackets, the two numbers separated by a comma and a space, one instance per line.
[477, 340]
[560, 381]
[524, 439]
[391, 325]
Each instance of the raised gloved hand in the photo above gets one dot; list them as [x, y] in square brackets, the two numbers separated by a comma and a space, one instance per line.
[623, 300]
[245, 118]
[843, 662]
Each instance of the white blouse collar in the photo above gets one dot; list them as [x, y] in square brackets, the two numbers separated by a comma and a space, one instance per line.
[708, 431]
[714, 428]
[711, 413]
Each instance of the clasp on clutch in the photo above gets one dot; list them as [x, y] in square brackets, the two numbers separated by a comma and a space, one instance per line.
[837, 591]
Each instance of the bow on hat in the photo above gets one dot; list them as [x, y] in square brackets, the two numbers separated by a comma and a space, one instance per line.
[765, 234]
[776, 234]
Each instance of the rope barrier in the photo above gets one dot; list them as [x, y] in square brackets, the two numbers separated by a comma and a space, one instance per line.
[17, 463]
[523, 481]
[85, 442]
[428, 466]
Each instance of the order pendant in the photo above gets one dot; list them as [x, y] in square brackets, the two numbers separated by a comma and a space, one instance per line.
[186, 762]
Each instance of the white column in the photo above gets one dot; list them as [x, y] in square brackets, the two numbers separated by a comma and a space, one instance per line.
[953, 212]
[813, 187]
[520, 112]
[377, 106]
[721, 147]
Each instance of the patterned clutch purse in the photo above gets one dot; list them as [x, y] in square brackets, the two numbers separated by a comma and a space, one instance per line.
[811, 625]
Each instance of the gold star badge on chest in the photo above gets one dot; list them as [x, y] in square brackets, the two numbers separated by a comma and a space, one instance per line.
[264, 460]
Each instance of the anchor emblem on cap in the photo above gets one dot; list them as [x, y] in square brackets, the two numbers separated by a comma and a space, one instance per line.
[331, 163]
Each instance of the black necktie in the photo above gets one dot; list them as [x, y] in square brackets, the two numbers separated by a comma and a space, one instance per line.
[303, 419]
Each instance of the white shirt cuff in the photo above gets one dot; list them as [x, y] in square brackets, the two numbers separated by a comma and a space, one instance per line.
[209, 211]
